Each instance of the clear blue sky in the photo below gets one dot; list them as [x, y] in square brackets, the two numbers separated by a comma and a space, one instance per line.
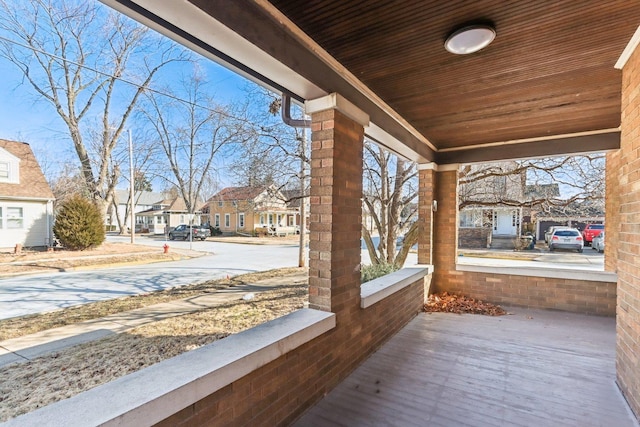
[25, 118]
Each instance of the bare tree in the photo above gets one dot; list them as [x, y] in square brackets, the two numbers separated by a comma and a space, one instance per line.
[535, 183]
[77, 56]
[389, 199]
[69, 182]
[277, 154]
[191, 133]
[274, 153]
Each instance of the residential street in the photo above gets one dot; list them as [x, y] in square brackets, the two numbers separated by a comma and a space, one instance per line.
[45, 292]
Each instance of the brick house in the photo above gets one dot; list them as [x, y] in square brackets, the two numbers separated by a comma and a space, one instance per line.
[26, 200]
[485, 218]
[249, 209]
[547, 85]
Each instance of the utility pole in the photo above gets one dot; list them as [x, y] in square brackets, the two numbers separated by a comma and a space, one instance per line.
[132, 190]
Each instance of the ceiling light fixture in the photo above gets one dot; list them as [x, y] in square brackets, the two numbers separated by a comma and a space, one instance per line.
[470, 39]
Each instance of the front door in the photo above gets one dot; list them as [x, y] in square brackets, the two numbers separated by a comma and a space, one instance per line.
[505, 223]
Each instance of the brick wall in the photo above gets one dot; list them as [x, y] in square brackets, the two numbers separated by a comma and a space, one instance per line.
[280, 392]
[576, 296]
[426, 179]
[627, 241]
[612, 207]
[527, 291]
[445, 234]
[335, 211]
[474, 238]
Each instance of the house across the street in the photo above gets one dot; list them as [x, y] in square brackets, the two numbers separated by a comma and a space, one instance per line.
[26, 200]
[167, 214]
[143, 201]
[254, 209]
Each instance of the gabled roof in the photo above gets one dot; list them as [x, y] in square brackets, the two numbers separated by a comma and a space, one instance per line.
[146, 198]
[237, 193]
[32, 182]
[292, 198]
[174, 205]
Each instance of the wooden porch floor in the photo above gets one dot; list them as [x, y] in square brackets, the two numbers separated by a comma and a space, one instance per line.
[531, 368]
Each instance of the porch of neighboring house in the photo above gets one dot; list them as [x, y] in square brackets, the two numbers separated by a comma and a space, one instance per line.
[528, 368]
[489, 227]
[277, 222]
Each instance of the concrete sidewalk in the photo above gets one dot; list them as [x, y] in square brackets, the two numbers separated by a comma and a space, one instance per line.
[25, 348]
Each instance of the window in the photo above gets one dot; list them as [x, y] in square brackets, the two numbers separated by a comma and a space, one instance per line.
[270, 219]
[220, 203]
[471, 218]
[227, 220]
[261, 219]
[181, 219]
[241, 220]
[4, 171]
[216, 221]
[0, 217]
[14, 218]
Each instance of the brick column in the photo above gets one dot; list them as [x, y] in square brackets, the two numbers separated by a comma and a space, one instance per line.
[445, 230]
[626, 222]
[612, 209]
[336, 206]
[426, 181]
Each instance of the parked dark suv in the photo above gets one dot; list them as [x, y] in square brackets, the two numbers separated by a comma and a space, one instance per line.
[183, 231]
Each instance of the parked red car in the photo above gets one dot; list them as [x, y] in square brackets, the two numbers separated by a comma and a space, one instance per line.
[591, 231]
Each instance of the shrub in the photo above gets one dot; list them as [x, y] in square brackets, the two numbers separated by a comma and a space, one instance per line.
[370, 272]
[79, 224]
[215, 231]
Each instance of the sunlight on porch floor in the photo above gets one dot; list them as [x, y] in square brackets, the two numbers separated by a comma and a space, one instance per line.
[530, 368]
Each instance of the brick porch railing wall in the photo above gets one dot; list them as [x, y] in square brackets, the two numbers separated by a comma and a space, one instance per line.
[282, 390]
[627, 234]
[528, 291]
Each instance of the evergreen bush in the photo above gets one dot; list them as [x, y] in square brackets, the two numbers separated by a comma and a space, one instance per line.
[79, 224]
[370, 272]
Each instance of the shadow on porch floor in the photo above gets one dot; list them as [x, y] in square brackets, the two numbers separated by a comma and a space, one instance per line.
[531, 368]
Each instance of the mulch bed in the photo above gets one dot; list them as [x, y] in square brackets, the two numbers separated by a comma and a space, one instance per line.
[460, 304]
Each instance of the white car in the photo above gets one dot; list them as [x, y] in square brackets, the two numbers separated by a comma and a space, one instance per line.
[598, 243]
[566, 238]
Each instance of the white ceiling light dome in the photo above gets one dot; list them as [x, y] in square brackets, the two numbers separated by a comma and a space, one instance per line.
[470, 39]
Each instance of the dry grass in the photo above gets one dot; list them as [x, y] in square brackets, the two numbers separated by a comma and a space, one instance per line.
[32, 261]
[28, 386]
[25, 325]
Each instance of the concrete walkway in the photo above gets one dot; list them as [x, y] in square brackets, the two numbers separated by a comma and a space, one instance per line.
[25, 348]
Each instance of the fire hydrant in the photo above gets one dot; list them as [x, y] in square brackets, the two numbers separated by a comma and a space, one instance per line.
[166, 248]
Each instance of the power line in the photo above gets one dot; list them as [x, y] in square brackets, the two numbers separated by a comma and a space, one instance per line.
[103, 73]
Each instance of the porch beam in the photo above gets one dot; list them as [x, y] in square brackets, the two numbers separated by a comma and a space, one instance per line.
[543, 147]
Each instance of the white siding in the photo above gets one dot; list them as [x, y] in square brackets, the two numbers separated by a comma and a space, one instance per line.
[34, 231]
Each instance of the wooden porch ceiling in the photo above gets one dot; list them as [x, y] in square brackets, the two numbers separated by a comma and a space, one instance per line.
[546, 85]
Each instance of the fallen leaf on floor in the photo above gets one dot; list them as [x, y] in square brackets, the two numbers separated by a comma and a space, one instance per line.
[459, 304]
